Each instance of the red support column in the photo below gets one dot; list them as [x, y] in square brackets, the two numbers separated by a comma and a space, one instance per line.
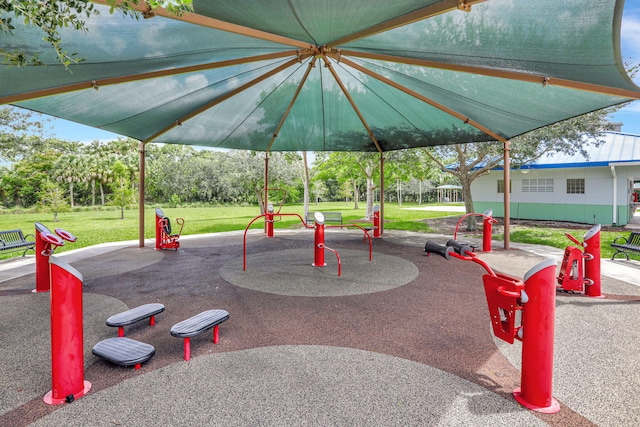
[216, 335]
[187, 348]
[269, 220]
[487, 230]
[318, 243]
[159, 218]
[67, 353]
[592, 262]
[538, 320]
[376, 221]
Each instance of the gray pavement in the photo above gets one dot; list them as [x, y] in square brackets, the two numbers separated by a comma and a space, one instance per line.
[596, 372]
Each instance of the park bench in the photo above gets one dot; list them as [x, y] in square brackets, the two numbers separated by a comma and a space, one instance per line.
[12, 240]
[124, 351]
[623, 245]
[134, 315]
[198, 324]
[333, 217]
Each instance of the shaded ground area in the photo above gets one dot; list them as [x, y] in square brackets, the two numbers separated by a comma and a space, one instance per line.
[418, 351]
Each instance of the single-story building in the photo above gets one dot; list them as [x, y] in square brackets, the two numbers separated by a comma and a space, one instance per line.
[558, 187]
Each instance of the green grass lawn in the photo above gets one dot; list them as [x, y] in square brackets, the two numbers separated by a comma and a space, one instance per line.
[92, 227]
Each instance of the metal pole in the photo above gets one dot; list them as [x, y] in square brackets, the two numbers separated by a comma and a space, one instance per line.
[141, 195]
[507, 194]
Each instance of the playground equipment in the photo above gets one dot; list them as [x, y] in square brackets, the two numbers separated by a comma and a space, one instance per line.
[269, 219]
[319, 246]
[581, 270]
[67, 356]
[487, 226]
[46, 242]
[524, 311]
[376, 221]
[164, 237]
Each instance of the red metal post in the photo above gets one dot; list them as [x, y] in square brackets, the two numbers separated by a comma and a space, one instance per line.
[187, 348]
[42, 261]
[44, 240]
[538, 320]
[269, 220]
[159, 218]
[487, 230]
[67, 356]
[376, 221]
[592, 262]
[318, 243]
[216, 335]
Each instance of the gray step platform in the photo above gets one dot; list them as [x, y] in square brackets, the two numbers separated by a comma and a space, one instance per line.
[124, 351]
[134, 315]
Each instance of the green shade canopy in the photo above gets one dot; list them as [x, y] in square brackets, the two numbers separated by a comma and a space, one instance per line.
[329, 75]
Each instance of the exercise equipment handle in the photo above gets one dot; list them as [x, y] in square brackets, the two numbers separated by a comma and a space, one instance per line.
[432, 247]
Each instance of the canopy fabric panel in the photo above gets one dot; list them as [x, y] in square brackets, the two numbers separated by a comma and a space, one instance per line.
[312, 75]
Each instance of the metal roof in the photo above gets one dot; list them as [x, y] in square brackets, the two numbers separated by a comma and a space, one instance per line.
[618, 149]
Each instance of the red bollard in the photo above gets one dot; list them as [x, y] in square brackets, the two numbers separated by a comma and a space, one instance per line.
[269, 220]
[44, 240]
[487, 230]
[67, 354]
[318, 241]
[159, 219]
[376, 221]
[538, 320]
[592, 262]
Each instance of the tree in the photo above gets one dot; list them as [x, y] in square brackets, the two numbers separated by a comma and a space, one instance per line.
[52, 198]
[50, 17]
[19, 132]
[468, 161]
[123, 195]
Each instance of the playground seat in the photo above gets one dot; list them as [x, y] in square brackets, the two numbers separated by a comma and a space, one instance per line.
[134, 315]
[198, 324]
[165, 238]
[124, 351]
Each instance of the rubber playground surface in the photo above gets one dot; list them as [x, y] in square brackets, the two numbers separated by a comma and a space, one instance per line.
[402, 340]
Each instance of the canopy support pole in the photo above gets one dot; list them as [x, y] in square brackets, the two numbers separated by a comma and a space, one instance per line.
[265, 201]
[141, 192]
[381, 193]
[507, 194]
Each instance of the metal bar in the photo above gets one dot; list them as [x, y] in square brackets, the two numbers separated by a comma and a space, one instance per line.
[224, 97]
[352, 102]
[293, 100]
[96, 84]
[194, 18]
[492, 72]
[418, 15]
[423, 98]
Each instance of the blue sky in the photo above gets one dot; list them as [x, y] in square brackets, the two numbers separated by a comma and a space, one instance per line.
[629, 116]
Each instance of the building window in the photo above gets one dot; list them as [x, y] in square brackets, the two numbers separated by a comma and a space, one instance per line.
[537, 185]
[575, 186]
[501, 186]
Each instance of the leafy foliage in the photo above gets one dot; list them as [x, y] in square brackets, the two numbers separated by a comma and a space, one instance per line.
[51, 16]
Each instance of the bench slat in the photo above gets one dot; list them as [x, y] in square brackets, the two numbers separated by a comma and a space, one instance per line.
[631, 244]
[135, 314]
[199, 323]
[124, 351]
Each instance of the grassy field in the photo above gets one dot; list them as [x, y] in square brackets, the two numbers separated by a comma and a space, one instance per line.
[105, 225]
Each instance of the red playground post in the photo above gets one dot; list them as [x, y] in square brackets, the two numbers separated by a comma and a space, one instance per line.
[487, 229]
[46, 242]
[592, 262]
[67, 354]
[538, 320]
[269, 220]
[376, 221]
[318, 242]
